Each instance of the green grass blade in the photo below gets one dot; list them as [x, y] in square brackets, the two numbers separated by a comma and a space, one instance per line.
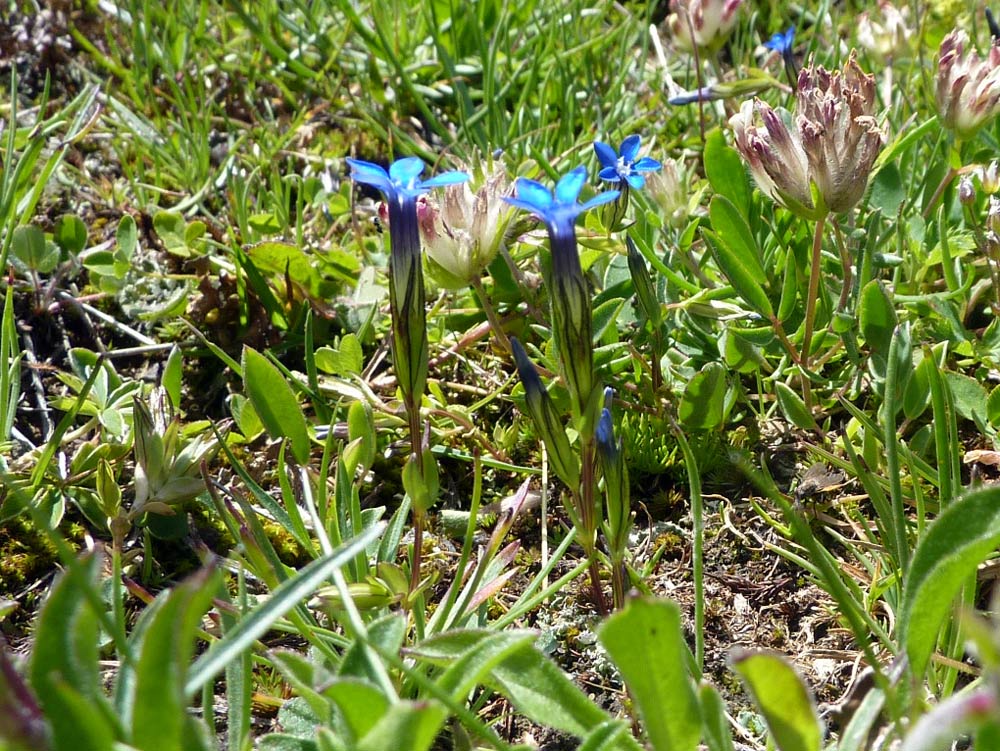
[284, 598]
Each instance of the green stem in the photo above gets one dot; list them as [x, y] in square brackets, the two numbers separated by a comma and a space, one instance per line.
[697, 544]
[585, 512]
[814, 275]
[491, 315]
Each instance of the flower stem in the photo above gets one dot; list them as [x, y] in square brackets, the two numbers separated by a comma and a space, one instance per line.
[814, 275]
[950, 175]
[845, 260]
[585, 512]
[491, 315]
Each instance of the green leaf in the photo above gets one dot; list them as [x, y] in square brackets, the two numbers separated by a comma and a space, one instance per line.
[288, 595]
[969, 396]
[171, 378]
[794, 408]
[605, 316]
[286, 742]
[360, 703]
[158, 716]
[789, 289]
[245, 416]
[170, 227]
[544, 694]
[738, 261]
[646, 643]
[408, 724]
[782, 698]
[64, 669]
[715, 724]
[608, 735]
[284, 259]
[703, 404]
[740, 353]
[346, 359]
[917, 395]
[725, 171]
[963, 536]
[127, 237]
[70, 234]
[30, 247]
[473, 665]
[888, 191]
[385, 634]
[275, 403]
[877, 318]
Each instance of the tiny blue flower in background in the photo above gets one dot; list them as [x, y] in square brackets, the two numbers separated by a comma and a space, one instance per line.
[623, 165]
[560, 209]
[782, 41]
[704, 94]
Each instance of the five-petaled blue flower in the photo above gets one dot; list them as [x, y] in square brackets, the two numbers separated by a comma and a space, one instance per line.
[781, 42]
[560, 209]
[401, 185]
[402, 182]
[623, 165]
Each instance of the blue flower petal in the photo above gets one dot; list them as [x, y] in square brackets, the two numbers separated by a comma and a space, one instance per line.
[445, 178]
[533, 193]
[605, 433]
[600, 199]
[404, 172]
[569, 187]
[630, 148]
[609, 173]
[370, 174]
[646, 164]
[607, 156]
[635, 180]
[527, 206]
[781, 42]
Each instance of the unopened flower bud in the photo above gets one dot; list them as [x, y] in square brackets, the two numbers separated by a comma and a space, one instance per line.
[669, 190]
[993, 215]
[702, 24]
[544, 415]
[989, 177]
[886, 33]
[966, 190]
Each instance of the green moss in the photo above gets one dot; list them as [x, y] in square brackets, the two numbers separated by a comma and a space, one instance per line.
[25, 556]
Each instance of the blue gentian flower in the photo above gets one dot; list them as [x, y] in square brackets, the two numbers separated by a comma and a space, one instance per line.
[401, 183]
[622, 165]
[560, 209]
[401, 186]
[782, 41]
[569, 295]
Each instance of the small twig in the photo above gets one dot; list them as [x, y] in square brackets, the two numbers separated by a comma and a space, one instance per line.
[110, 320]
[38, 386]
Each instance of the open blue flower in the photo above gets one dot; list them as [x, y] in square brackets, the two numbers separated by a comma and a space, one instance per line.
[622, 165]
[401, 185]
[402, 182]
[782, 41]
[560, 209]
[569, 294]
